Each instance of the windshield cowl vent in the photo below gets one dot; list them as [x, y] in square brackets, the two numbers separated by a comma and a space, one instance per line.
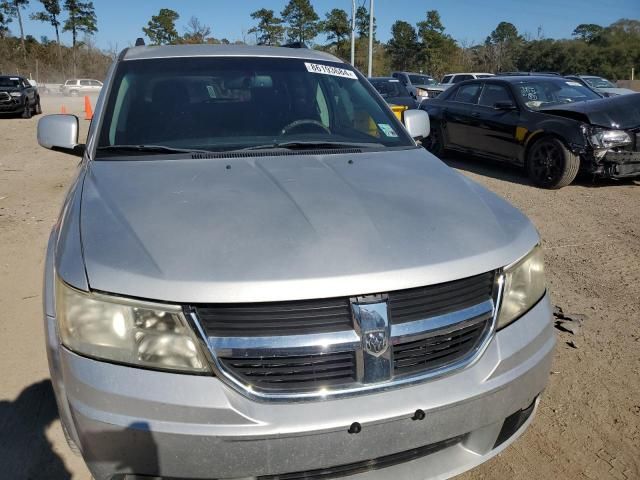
[275, 153]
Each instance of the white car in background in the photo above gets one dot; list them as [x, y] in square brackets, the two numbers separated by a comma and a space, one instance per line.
[601, 85]
[82, 86]
[453, 78]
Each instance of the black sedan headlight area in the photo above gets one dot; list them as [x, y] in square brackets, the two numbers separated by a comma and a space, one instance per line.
[126, 331]
[608, 138]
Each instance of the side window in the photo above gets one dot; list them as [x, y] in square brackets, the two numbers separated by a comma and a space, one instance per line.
[446, 79]
[461, 78]
[85, 83]
[468, 93]
[492, 94]
[95, 83]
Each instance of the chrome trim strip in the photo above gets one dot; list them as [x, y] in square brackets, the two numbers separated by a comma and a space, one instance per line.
[349, 340]
[441, 324]
[296, 344]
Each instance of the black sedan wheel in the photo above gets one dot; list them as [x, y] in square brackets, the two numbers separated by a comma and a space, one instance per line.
[435, 142]
[550, 164]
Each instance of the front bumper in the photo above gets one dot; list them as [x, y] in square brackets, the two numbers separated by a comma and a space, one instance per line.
[622, 164]
[12, 107]
[128, 420]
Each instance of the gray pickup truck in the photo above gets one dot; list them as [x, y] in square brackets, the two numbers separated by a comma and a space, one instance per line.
[258, 274]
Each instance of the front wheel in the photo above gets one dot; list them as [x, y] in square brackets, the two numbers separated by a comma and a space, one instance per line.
[435, 141]
[27, 112]
[38, 107]
[550, 164]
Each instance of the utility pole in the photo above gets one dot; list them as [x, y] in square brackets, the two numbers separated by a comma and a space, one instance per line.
[370, 38]
[353, 33]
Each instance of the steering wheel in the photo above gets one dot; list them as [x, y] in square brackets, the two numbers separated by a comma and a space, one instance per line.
[306, 121]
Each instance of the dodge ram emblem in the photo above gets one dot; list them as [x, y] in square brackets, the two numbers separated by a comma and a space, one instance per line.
[375, 342]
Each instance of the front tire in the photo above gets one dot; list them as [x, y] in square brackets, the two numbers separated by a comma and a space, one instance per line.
[27, 112]
[550, 164]
[38, 107]
[435, 141]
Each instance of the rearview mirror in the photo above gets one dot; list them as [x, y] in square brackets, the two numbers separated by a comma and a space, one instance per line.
[417, 123]
[505, 105]
[60, 132]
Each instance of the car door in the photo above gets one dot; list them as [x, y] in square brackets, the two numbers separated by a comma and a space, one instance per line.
[28, 91]
[497, 123]
[460, 124]
[85, 86]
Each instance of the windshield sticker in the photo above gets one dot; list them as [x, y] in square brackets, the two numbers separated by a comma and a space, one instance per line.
[529, 92]
[394, 81]
[211, 91]
[328, 70]
[574, 84]
[14, 78]
[387, 130]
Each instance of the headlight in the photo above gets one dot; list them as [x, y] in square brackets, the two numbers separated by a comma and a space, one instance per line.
[609, 138]
[15, 94]
[126, 331]
[524, 286]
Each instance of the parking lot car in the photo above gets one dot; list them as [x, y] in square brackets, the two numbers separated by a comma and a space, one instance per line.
[420, 86]
[393, 92]
[258, 273]
[553, 126]
[18, 96]
[453, 78]
[82, 86]
[601, 85]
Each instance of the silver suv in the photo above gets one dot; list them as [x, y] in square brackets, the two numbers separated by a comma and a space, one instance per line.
[259, 274]
[81, 86]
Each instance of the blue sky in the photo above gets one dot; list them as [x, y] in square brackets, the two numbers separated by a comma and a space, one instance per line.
[120, 21]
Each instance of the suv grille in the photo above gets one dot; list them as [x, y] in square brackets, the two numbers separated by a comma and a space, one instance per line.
[437, 351]
[276, 318]
[297, 372]
[301, 348]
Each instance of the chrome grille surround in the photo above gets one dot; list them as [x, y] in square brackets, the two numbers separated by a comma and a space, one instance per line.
[373, 372]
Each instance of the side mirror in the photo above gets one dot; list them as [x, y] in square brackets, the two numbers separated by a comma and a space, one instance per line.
[505, 105]
[60, 132]
[417, 123]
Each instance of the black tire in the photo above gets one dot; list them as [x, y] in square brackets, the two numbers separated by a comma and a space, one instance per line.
[435, 141]
[28, 111]
[550, 164]
[38, 107]
[73, 93]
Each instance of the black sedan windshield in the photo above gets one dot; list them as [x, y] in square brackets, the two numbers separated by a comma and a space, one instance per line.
[422, 80]
[391, 88]
[599, 82]
[228, 103]
[541, 93]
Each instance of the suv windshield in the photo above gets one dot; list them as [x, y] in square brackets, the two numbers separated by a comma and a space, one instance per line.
[598, 82]
[228, 103]
[11, 82]
[537, 94]
[422, 80]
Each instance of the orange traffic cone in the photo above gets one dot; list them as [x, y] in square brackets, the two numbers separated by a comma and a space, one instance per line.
[63, 109]
[87, 108]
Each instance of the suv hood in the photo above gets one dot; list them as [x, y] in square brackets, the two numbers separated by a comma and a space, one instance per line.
[290, 227]
[621, 112]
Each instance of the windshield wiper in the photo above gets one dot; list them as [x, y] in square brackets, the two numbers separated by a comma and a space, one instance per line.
[148, 149]
[298, 145]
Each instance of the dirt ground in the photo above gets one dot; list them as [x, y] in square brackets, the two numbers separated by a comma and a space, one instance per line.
[588, 426]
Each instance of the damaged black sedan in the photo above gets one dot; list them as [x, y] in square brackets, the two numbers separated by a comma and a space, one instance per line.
[552, 126]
